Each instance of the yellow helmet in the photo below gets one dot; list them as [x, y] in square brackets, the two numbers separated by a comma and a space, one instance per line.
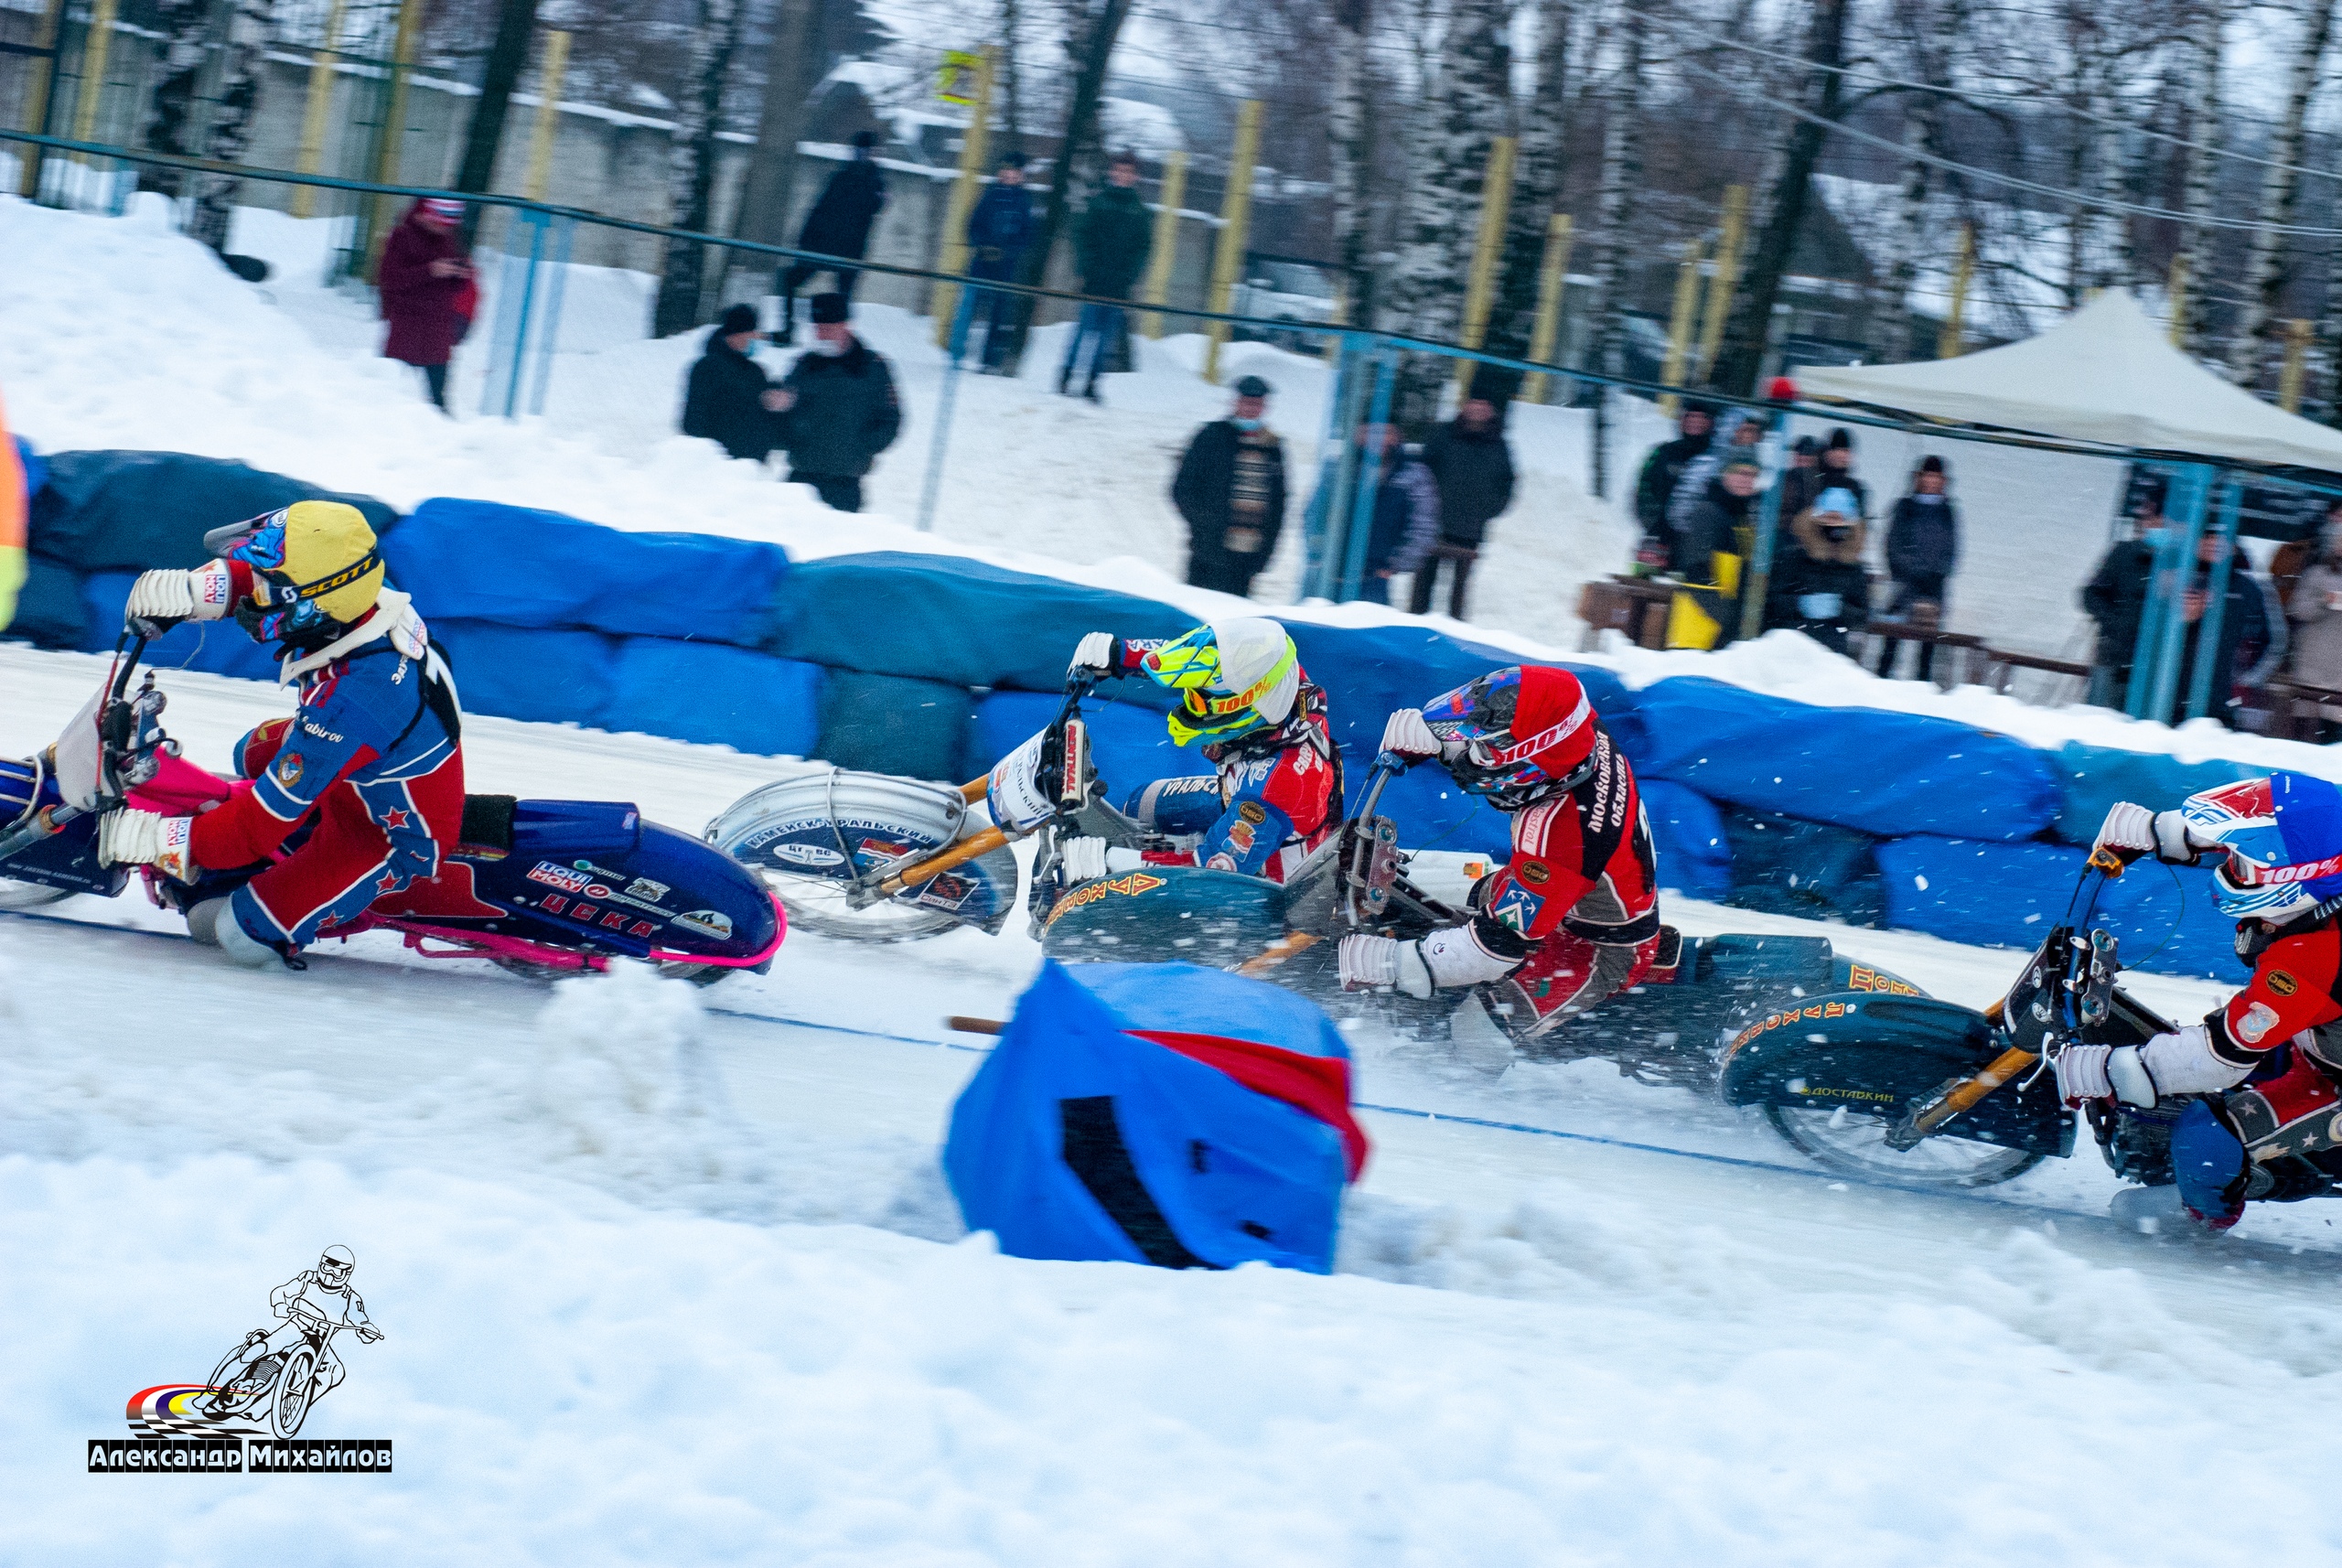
[316, 565]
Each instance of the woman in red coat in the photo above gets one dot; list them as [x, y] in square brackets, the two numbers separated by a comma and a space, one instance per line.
[427, 291]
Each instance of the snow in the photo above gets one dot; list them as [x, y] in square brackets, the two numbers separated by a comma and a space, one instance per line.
[671, 1276]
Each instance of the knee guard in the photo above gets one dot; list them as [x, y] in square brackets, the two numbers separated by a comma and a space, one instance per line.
[236, 931]
[2207, 1162]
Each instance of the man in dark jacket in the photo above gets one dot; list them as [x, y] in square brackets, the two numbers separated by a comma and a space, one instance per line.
[1801, 480]
[1706, 611]
[427, 291]
[2116, 597]
[729, 399]
[838, 408]
[1405, 526]
[1655, 486]
[2249, 621]
[1819, 588]
[1922, 549]
[1231, 490]
[1472, 464]
[837, 225]
[999, 228]
[1110, 248]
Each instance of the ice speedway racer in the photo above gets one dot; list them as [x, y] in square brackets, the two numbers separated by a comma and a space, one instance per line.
[351, 816]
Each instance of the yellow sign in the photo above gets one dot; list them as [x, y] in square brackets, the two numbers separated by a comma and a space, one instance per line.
[956, 80]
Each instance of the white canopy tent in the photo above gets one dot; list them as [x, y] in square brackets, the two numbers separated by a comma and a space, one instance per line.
[2107, 375]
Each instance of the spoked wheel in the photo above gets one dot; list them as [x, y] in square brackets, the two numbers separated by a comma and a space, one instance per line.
[819, 904]
[1855, 1145]
[15, 895]
[291, 1406]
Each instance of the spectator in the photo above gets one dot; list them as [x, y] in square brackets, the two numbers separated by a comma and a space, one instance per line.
[1838, 468]
[2296, 555]
[1472, 465]
[1656, 485]
[1706, 611]
[428, 293]
[999, 229]
[1738, 431]
[838, 225]
[729, 399]
[1819, 588]
[1801, 482]
[2116, 597]
[1406, 509]
[1922, 549]
[2317, 609]
[1231, 490]
[1109, 247]
[2249, 626]
[838, 408]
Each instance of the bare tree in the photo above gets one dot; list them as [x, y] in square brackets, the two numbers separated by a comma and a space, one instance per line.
[792, 58]
[516, 24]
[186, 27]
[1348, 127]
[1932, 30]
[1539, 174]
[2195, 199]
[2264, 274]
[231, 123]
[1092, 45]
[692, 167]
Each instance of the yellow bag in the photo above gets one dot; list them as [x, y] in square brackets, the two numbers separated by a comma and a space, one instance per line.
[1694, 615]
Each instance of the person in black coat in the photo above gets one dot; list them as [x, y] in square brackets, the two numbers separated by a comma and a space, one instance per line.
[1837, 471]
[2248, 621]
[1922, 551]
[1231, 488]
[1819, 588]
[838, 408]
[2116, 597]
[1472, 463]
[1000, 226]
[838, 225]
[729, 399]
[1110, 245]
[1655, 486]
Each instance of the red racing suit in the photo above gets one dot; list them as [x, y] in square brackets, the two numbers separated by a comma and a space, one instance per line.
[1578, 902]
[1277, 795]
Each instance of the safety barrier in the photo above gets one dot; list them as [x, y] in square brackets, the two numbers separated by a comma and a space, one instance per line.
[935, 666]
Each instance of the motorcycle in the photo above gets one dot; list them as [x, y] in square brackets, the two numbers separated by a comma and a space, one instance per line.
[277, 1383]
[857, 855]
[537, 887]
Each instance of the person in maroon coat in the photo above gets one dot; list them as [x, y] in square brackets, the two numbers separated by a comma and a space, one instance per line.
[428, 292]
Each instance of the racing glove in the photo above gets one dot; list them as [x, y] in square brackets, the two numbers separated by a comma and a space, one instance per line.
[2129, 831]
[1088, 859]
[128, 837]
[1444, 960]
[164, 598]
[1406, 734]
[1100, 654]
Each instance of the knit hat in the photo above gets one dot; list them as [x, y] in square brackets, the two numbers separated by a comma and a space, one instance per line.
[829, 309]
[866, 140]
[1013, 160]
[1807, 446]
[737, 319]
[442, 207]
[1839, 501]
[1252, 386]
[1931, 464]
[1842, 440]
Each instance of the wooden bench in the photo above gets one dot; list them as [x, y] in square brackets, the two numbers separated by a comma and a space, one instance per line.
[2001, 665]
[1635, 607]
[1963, 649]
[2294, 708]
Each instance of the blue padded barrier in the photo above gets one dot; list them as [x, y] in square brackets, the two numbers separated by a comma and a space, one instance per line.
[216, 647]
[2010, 894]
[128, 512]
[719, 695]
[1694, 852]
[1130, 745]
[889, 724]
[2092, 777]
[1888, 775]
[1784, 866]
[548, 677]
[477, 560]
[50, 611]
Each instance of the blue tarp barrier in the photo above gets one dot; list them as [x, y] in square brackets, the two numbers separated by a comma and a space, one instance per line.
[2010, 894]
[216, 647]
[35, 467]
[50, 612]
[1694, 854]
[1130, 745]
[1783, 865]
[1224, 1138]
[717, 695]
[477, 560]
[1885, 774]
[128, 512]
[886, 724]
[549, 677]
[2092, 777]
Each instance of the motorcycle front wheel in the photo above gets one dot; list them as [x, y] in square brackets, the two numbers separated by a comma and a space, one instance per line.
[290, 1408]
[16, 895]
[1855, 1145]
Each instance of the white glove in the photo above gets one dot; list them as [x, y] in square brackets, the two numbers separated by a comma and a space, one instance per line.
[175, 596]
[1088, 859]
[1098, 653]
[1407, 734]
[128, 837]
[1376, 964]
[1015, 793]
[2132, 831]
[2104, 1072]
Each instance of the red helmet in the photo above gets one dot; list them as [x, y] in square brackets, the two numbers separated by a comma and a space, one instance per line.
[1526, 730]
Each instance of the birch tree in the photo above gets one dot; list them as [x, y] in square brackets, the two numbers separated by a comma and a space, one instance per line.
[690, 178]
[2280, 188]
[1349, 122]
[186, 27]
[1934, 30]
[1472, 107]
[2190, 318]
[1614, 198]
[1541, 163]
[231, 123]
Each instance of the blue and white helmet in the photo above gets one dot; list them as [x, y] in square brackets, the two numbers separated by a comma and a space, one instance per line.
[2283, 838]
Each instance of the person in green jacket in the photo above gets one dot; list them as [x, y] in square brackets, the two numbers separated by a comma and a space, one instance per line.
[1110, 248]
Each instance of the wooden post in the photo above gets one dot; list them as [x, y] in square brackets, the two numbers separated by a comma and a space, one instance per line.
[314, 115]
[2177, 289]
[1723, 280]
[1488, 248]
[95, 46]
[1553, 283]
[1165, 250]
[392, 142]
[2289, 380]
[549, 72]
[951, 253]
[1235, 215]
[1951, 339]
[41, 83]
[1679, 326]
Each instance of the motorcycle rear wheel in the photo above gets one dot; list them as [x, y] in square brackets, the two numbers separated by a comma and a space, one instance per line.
[16, 895]
[1856, 1146]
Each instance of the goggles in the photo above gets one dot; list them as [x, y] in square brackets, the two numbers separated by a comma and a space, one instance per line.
[259, 544]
